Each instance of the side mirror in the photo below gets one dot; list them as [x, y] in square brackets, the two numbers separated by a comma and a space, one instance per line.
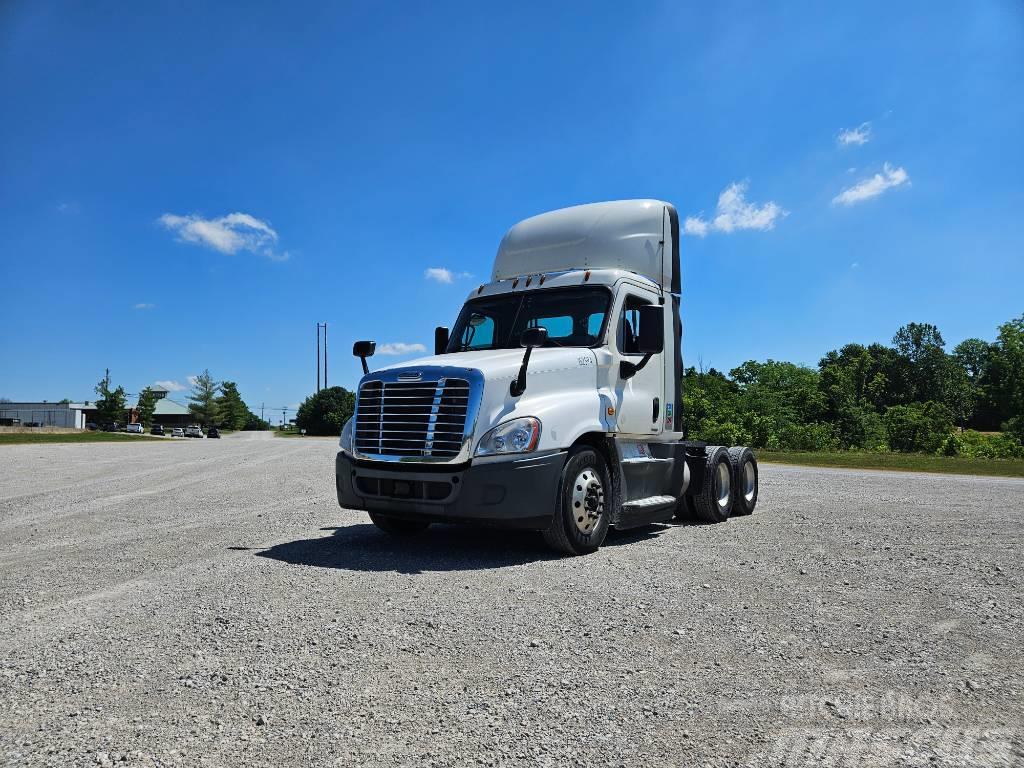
[363, 350]
[440, 340]
[533, 337]
[651, 336]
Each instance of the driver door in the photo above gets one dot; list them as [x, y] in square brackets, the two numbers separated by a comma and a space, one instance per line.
[641, 406]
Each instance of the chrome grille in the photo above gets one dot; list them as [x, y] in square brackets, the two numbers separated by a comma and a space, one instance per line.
[412, 418]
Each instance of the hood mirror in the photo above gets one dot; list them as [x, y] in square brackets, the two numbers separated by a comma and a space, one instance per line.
[363, 350]
[440, 340]
[532, 337]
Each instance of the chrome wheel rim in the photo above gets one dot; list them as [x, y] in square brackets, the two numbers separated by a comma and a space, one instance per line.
[749, 481]
[724, 484]
[587, 500]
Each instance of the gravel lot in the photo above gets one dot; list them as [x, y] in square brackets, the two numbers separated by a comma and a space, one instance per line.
[207, 602]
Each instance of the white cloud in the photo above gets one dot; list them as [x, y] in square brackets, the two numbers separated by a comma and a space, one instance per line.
[227, 234]
[443, 275]
[399, 348]
[865, 189]
[854, 136]
[734, 212]
[440, 274]
[144, 305]
[172, 386]
[192, 380]
[855, 265]
[694, 225]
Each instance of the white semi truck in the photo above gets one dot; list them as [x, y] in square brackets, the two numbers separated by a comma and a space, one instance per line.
[555, 403]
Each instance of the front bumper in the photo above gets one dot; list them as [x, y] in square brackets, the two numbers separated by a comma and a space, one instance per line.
[518, 493]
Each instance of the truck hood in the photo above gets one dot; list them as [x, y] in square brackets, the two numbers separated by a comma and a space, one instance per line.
[561, 390]
[504, 363]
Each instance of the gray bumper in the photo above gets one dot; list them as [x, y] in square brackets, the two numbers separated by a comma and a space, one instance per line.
[519, 493]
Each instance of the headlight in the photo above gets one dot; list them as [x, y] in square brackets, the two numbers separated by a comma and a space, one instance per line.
[346, 438]
[515, 436]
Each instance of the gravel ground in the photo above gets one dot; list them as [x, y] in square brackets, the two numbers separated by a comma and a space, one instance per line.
[208, 603]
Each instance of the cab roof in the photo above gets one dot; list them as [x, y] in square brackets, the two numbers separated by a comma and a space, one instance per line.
[640, 236]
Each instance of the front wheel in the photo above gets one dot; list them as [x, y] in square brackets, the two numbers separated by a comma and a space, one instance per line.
[583, 507]
[397, 527]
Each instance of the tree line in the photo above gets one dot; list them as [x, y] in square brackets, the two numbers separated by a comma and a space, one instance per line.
[211, 403]
[911, 395]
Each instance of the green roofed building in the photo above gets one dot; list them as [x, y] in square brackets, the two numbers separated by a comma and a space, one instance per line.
[169, 413]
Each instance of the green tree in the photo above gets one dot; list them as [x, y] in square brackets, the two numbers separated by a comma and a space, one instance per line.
[255, 423]
[918, 426]
[147, 406]
[326, 412]
[110, 406]
[922, 349]
[203, 399]
[710, 407]
[973, 356]
[773, 397]
[232, 412]
[1005, 374]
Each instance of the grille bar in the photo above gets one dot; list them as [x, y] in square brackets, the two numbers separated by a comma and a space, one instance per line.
[412, 419]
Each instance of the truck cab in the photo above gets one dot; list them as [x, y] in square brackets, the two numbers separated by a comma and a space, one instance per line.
[554, 403]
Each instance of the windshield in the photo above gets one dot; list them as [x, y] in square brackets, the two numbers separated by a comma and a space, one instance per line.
[574, 317]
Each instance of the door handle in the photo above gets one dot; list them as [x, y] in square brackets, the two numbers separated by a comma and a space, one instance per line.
[657, 409]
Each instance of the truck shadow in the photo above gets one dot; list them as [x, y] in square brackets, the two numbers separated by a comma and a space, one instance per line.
[362, 547]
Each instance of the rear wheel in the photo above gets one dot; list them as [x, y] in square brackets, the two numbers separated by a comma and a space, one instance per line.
[397, 527]
[714, 502]
[744, 474]
[582, 510]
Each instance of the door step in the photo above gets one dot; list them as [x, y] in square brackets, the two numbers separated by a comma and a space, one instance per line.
[651, 502]
[653, 509]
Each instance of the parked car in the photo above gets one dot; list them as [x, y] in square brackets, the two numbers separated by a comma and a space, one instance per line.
[158, 429]
[193, 431]
[111, 426]
[92, 426]
[213, 432]
[134, 429]
[177, 432]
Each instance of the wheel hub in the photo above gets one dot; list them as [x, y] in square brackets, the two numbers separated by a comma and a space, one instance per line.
[587, 500]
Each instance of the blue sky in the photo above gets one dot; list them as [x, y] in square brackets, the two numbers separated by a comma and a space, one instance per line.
[196, 186]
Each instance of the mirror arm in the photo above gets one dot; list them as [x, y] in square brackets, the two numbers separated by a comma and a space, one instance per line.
[628, 370]
[366, 368]
[517, 387]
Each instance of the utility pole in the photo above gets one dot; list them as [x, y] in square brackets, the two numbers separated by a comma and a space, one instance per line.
[261, 412]
[318, 327]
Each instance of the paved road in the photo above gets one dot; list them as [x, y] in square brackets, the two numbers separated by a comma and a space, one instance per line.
[206, 602]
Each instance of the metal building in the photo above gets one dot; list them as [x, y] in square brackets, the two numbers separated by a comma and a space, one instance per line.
[69, 415]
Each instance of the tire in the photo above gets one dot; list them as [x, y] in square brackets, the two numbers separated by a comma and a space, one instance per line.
[744, 480]
[394, 526]
[714, 502]
[583, 507]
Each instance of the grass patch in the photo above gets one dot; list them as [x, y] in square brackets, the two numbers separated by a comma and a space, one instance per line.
[16, 438]
[908, 462]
